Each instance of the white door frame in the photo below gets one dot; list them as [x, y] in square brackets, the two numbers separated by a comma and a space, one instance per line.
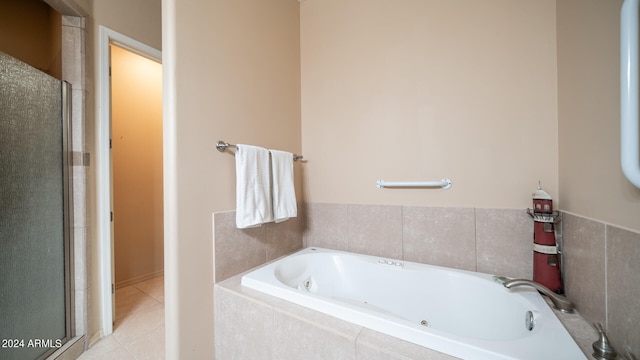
[103, 161]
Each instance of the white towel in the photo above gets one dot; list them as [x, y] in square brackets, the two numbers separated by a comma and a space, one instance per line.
[284, 193]
[254, 205]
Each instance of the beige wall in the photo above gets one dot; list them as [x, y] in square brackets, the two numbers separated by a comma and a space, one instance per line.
[231, 73]
[136, 125]
[421, 90]
[140, 19]
[591, 179]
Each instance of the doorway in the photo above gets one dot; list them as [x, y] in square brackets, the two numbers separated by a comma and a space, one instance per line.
[139, 223]
[136, 155]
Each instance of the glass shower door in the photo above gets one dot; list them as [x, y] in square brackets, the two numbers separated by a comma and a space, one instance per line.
[34, 232]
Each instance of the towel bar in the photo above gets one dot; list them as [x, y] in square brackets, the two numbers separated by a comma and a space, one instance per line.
[222, 146]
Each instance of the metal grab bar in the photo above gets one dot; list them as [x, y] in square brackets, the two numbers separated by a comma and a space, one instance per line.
[444, 183]
[629, 127]
[222, 146]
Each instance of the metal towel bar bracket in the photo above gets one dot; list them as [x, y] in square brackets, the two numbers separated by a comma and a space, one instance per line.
[222, 146]
[444, 184]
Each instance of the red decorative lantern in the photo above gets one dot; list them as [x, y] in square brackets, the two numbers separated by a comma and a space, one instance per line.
[546, 258]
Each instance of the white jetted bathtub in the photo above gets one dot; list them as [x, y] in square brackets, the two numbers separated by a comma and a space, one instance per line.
[461, 313]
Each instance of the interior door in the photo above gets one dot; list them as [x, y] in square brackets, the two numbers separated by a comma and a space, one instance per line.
[35, 314]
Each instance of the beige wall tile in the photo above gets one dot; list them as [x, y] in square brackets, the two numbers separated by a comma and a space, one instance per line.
[439, 236]
[80, 312]
[80, 259]
[326, 226]
[373, 345]
[285, 237]
[79, 126]
[584, 265]
[343, 328]
[309, 340]
[504, 240]
[80, 218]
[243, 327]
[375, 230]
[236, 250]
[73, 37]
[368, 352]
[623, 289]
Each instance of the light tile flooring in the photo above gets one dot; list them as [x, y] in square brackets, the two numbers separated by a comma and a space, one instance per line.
[138, 332]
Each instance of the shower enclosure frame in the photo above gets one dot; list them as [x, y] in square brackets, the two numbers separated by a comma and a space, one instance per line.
[61, 121]
[67, 176]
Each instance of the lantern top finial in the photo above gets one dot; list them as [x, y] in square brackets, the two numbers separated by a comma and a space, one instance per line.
[540, 194]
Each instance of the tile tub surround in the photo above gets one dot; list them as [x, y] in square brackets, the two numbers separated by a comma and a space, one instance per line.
[497, 241]
[602, 276]
[253, 325]
[237, 250]
[601, 261]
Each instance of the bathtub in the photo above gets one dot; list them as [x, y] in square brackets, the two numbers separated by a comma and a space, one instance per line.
[461, 313]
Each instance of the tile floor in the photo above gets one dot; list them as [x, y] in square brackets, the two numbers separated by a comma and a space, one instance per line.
[138, 332]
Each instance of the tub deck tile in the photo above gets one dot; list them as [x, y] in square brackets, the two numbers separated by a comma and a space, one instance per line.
[243, 328]
[373, 345]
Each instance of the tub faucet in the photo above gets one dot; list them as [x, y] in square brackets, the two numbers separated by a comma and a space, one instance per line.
[602, 349]
[561, 303]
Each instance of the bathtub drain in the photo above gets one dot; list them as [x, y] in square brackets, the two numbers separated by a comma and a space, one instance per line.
[424, 323]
